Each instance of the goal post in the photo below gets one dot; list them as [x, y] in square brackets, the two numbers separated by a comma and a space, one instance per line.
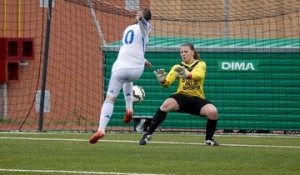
[3, 102]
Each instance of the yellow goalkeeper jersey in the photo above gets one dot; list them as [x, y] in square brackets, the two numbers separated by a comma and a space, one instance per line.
[190, 87]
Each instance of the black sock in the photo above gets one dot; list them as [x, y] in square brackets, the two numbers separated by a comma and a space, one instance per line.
[211, 126]
[147, 124]
[158, 118]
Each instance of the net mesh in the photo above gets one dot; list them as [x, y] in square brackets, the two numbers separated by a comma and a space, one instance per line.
[264, 34]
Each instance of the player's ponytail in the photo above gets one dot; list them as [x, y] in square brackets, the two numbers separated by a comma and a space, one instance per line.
[146, 14]
[196, 55]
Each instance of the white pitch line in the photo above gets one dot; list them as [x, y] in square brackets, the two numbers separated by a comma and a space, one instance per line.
[152, 142]
[73, 172]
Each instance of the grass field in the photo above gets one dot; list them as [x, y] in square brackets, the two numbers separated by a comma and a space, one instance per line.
[120, 154]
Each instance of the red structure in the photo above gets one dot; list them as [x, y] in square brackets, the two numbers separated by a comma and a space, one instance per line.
[12, 51]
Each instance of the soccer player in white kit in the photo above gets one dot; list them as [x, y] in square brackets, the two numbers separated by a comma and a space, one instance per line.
[127, 68]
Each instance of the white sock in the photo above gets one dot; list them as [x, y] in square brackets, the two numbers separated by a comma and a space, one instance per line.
[106, 112]
[127, 90]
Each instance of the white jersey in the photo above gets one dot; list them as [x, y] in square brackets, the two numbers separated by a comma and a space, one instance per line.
[134, 41]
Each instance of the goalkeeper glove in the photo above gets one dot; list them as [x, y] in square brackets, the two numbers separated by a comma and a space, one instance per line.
[182, 73]
[160, 75]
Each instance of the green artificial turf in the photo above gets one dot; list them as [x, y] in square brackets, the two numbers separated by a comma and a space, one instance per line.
[70, 153]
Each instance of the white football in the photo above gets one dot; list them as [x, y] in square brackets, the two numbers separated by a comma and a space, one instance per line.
[138, 94]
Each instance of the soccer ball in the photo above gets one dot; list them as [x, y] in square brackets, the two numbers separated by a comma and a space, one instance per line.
[138, 94]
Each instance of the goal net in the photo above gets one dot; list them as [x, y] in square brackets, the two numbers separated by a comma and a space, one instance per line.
[251, 48]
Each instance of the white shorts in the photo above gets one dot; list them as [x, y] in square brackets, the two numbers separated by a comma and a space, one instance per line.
[121, 76]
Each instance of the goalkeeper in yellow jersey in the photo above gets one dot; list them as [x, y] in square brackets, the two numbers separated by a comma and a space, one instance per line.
[189, 97]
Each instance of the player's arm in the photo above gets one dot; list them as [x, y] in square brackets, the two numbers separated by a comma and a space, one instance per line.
[171, 77]
[145, 26]
[181, 72]
[148, 63]
[197, 73]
